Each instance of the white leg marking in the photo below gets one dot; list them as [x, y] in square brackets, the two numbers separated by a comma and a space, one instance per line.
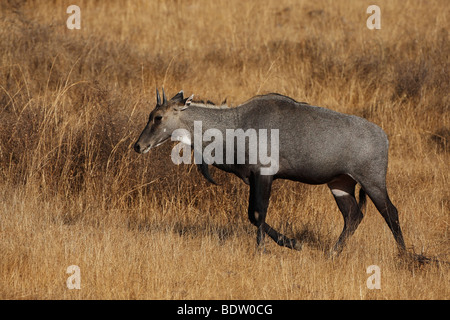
[339, 193]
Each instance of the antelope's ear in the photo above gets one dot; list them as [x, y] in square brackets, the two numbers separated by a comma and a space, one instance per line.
[185, 104]
[178, 96]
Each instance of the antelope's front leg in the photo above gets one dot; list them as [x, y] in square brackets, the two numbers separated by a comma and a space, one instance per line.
[258, 203]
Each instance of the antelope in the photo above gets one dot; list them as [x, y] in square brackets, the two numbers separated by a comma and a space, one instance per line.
[315, 146]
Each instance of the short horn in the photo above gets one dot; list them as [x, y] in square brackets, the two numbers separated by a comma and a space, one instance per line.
[164, 96]
[158, 98]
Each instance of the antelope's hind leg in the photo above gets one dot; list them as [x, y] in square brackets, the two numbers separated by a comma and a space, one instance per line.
[389, 212]
[343, 190]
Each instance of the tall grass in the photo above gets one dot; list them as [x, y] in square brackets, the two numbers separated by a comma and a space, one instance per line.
[72, 102]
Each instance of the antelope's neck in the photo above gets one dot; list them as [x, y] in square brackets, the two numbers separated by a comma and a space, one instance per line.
[210, 118]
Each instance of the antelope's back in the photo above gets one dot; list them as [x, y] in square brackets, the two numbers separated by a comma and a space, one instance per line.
[314, 141]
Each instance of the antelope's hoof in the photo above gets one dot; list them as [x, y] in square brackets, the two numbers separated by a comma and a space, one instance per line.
[297, 245]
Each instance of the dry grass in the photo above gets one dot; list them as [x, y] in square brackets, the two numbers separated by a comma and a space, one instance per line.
[73, 192]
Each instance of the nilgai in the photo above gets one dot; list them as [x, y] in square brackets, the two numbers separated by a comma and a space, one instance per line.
[313, 145]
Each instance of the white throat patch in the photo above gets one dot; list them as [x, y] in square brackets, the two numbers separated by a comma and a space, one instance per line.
[182, 135]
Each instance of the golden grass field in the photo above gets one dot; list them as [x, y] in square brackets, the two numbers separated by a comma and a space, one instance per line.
[73, 192]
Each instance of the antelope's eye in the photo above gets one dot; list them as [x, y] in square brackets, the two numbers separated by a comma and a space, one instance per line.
[158, 118]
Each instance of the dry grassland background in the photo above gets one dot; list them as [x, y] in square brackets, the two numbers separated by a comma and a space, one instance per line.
[73, 192]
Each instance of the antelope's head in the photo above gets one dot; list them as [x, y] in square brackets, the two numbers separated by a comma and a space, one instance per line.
[163, 120]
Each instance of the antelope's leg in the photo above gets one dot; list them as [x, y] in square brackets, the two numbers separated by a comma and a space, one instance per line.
[281, 239]
[260, 187]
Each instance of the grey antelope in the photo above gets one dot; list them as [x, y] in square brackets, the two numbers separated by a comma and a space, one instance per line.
[316, 146]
